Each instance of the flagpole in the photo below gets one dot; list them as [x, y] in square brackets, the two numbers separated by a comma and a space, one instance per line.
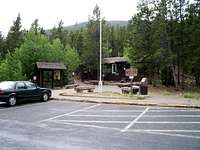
[100, 47]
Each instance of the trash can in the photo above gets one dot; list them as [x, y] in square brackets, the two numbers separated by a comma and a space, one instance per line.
[143, 90]
[144, 87]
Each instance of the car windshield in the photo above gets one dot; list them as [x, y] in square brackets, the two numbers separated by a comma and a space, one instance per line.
[7, 85]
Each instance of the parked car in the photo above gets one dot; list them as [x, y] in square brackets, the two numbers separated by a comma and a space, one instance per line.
[12, 92]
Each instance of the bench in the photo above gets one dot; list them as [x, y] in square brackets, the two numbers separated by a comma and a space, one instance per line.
[71, 86]
[121, 85]
[127, 90]
[80, 89]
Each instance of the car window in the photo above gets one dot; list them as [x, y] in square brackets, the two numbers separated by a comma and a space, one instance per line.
[7, 85]
[30, 85]
[20, 85]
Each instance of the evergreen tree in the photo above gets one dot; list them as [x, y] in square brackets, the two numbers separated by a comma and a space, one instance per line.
[15, 35]
[36, 28]
[192, 45]
[58, 32]
[139, 44]
[2, 46]
[90, 56]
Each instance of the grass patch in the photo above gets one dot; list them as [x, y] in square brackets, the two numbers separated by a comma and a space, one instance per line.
[166, 93]
[140, 97]
[135, 97]
[191, 96]
[111, 94]
[129, 96]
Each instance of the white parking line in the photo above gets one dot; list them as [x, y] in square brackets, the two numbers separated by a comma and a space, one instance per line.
[70, 113]
[155, 132]
[106, 116]
[150, 130]
[140, 110]
[171, 116]
[175, 110]
[135, 120]
[175, 135]
[90, 121]
[86, 125]
[144, 116]
[119, 110]
[165, 122]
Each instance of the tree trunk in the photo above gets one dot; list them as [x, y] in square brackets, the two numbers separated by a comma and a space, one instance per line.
[197, 78]
[174, 76]
[183, 80]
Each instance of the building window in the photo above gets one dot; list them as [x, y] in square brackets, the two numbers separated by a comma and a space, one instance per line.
[114, 69]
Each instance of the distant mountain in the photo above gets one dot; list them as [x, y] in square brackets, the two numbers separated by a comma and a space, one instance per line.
[118, 23]
[78, 26]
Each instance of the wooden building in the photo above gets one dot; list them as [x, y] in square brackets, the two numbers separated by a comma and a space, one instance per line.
[49, 74]
[114, 68]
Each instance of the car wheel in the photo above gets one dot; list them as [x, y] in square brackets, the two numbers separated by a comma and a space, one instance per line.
[45, 97]
[12, 101]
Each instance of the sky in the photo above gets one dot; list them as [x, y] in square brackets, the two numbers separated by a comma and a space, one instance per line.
[50, 12]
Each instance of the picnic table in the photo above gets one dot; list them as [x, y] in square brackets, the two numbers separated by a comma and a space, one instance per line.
[80, 89]
[71, 86]
[141, 87]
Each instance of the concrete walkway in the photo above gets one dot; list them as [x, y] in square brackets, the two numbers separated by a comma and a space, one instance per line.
[117, 98]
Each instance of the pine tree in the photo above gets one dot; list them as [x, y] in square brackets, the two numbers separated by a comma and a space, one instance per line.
[2, 46]
[58, 32]
[15, 35]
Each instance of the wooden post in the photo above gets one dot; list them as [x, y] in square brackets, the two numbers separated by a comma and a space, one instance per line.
[132, 86]
[42, 77]
[40, 82]
[62, 78]
[52, 78]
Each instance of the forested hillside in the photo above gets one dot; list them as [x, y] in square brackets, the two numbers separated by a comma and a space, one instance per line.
[162, 40]
[78, 26]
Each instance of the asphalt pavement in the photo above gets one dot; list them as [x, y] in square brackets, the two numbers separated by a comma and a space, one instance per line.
[62, 125]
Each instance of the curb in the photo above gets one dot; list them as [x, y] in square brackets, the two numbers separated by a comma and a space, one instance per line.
[136, 96]
[129, 103]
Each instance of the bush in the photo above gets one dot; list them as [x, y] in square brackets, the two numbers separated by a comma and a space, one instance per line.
[11, 69]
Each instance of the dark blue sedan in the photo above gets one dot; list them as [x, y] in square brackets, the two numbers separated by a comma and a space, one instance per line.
[12, 92]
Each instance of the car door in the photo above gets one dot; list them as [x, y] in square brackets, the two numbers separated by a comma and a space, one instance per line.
[33, 92]
[21, 91]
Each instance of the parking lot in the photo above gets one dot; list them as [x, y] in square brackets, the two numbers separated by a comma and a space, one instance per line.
[61, 125]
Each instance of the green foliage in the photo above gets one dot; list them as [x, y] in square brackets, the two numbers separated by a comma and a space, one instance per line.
[191, 96]
[58, 33]
[71, 60]
[90, 55]
[37, 47]
[35, 27]
[55, 53]
[139, 44]
[163, 40]
[15, 35]
[2, 46]
[91, 38]
[11, 69]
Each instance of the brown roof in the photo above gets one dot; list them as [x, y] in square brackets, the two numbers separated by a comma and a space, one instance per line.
[112, 60]
[48, 65]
